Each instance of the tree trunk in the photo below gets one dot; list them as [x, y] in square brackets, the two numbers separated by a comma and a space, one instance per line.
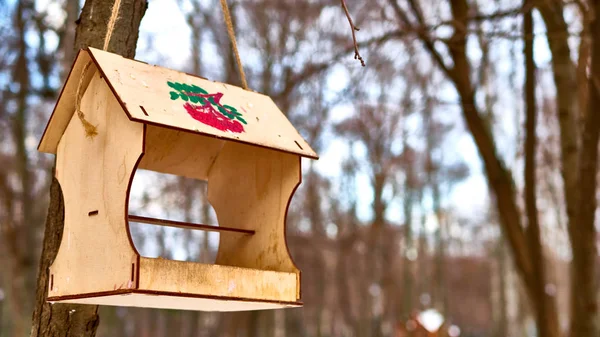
[499, 177]
[502, 327]
[72, 9]
[68, 319]
[578, 160]
[584, 301]
[547, 318]
[23, 237]
[407, 277]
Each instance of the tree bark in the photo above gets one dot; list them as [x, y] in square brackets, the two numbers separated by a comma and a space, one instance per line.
[58, 319]
[23, 234]
[564, 72]
[407, 270]
[69, 319]
[91, 26]
[578, 160]
[502, 327]
[72, 9]
[584, 301]
[546, 315]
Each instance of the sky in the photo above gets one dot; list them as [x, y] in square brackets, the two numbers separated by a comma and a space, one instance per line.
[165, 26]
[165, 41]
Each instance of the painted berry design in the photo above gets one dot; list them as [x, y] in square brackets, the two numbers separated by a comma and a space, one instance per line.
[207, 108]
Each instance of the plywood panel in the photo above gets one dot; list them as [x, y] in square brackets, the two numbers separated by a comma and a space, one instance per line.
[180, 153]
[146, 94]
[94, 173]
[65, 107]
[249, 188]
[179, 302]
[216, 280]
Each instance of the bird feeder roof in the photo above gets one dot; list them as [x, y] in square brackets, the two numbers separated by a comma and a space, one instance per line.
[167, 98]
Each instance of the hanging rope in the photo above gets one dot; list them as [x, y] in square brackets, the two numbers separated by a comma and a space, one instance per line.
[111, 23]
[90, 129]
[231, 32]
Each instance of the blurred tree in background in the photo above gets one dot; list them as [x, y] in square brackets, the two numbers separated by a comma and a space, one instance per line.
[457, 171]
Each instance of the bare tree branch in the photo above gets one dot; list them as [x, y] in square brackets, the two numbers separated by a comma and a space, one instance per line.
[499, 177]
[423, 36]
[353, 28]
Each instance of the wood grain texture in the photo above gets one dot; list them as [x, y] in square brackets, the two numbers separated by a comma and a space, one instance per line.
[65, 106]
[94, 173]
[216, 280]
[180, 153]
[78, 320]
[139, 84]
[165, 301]
[249, 188]
[143, 93]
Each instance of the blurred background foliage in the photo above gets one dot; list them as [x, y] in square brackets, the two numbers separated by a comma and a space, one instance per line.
[395, 228]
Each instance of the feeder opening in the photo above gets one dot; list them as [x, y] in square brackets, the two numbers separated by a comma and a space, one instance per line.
[170, 217]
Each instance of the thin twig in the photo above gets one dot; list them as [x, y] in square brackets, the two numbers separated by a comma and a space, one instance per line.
[422, 34]
[353, 28]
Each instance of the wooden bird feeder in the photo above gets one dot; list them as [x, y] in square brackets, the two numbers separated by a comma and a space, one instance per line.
[166, 121]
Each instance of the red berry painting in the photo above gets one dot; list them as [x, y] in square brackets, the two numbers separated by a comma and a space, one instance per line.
[207, 108]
